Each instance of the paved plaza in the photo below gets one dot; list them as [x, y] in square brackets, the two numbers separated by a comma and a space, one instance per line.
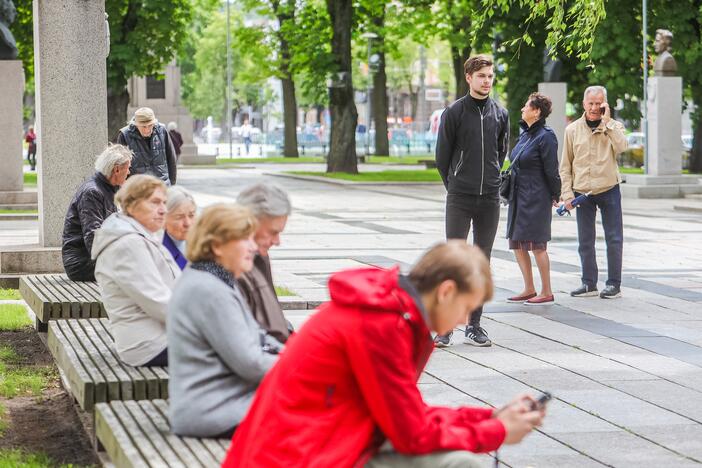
[626, 374]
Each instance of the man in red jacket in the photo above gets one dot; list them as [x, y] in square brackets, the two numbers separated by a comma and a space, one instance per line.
[338, 392]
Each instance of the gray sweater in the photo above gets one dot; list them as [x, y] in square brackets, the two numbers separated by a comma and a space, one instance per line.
[215, 355]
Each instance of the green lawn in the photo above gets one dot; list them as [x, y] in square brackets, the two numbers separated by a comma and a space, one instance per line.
[419, 175]
[639, 170]
[409, 160]
[30, 179]
[276, 160]
[3, 211]
[3, 422]
[18, 459]
[11, 294]
[13, 317]
[283, 291]
[20, 380]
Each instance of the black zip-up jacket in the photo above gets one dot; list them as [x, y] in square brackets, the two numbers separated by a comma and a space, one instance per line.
[92, 203]
[471, 146]
[154, 155]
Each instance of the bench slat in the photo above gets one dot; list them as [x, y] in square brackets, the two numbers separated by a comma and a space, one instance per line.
[41, 308]
[118, 444]
[143, 443]
[126, 384]
[196, 445]
[153, 434]
[99, 392]
[84, 304]
[71, 303]
[92, 291]
[139, 387]
[82, 386]
[62, 305]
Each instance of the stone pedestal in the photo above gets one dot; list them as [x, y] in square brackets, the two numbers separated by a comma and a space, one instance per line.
[650, 186]
[70, 47]
[11, 131]
[558, 92]
[664, 126]
[163, 96]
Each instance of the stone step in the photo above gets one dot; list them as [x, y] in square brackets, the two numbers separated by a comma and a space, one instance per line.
[30, 260]
[24, 197]
[694, 196]
[19, 206]
[19, 216]
[660, 191]
[689, 208]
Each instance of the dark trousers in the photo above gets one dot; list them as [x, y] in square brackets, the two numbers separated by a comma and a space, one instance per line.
[80, 271]
[32, 156]
[610, 204]
[161, 360]
[483, 213]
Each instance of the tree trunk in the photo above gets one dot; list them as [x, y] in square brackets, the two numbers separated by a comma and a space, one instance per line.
[117, 103]
[380, 96]
[459, 57]
[285, 14]
[344, 117]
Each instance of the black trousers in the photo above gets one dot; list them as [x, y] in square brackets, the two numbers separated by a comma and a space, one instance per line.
[160, 360]
[483, 213]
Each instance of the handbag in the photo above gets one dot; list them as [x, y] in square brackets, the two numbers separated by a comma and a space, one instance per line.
[507, 182]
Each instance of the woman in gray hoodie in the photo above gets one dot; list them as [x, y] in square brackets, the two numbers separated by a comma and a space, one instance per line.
[136, 272]
[217, 352]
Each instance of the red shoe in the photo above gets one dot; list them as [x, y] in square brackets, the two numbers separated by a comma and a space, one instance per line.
[520, 299]
[540, 300]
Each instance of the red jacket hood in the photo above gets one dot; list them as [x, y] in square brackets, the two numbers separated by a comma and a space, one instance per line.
[366, 287]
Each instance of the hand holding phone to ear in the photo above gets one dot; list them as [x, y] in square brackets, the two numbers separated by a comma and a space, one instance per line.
[605, 113]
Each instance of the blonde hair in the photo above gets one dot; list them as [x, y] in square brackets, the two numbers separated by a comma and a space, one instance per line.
[454, 260]
[137, 188]
[219, 223]
[144, 116]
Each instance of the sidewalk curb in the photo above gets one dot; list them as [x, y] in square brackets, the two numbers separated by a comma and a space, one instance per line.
[328, 180]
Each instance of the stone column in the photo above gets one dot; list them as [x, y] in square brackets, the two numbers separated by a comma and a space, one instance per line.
[11, 93]
[70, 47]
[664, 125]
[558, 92]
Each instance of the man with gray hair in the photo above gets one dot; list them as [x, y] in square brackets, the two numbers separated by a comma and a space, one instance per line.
[589, 166]
[92, 203]
[271, 206]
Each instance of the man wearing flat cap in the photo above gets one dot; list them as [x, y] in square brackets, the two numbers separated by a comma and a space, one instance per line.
[153, 149]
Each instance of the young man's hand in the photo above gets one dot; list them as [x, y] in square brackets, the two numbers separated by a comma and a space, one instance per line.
[519, 418]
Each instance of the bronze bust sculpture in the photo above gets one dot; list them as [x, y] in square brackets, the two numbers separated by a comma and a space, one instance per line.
[8, 46]
[665, 63]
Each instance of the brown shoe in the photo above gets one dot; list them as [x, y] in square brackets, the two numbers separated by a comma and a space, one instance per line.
[520, 299]
[540, 300]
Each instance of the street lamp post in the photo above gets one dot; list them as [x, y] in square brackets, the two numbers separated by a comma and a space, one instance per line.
[229, 81]
[369, 36]
[644, 122]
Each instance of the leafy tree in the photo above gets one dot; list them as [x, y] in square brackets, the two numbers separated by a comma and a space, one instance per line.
[144, 37]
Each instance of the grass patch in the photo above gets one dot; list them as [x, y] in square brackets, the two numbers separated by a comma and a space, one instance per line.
[24, 381]
[3, 419]
[13, 317]
[401, 160]
[9, 294]
[30, 179]
[275, 160]
[19, 459]
[283, 291]
[419, 175]
[639, 170]
[3, 211]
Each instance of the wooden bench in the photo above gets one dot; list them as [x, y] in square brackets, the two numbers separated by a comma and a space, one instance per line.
[55, 297]
[84, 351]
[137, 434]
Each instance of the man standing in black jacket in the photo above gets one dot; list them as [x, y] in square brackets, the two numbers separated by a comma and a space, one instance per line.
[91, 205]
[151, 144]
[471, 147]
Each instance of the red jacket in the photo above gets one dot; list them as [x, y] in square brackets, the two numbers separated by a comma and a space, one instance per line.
[348, 379]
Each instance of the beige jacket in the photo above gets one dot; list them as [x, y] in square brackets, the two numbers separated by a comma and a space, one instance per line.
[589, 160]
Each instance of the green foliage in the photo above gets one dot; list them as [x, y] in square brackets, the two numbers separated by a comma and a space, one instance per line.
[11, 294]
[13, 458]
[30, 179]
[13, 317]
[144, 37]
[283, 291]
[23, 31]
[3, 424]
[419, 175]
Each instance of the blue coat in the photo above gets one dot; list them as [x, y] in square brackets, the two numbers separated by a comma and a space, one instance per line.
[174, 250]
[536, 184]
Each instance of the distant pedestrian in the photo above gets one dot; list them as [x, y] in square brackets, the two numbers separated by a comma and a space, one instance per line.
[92, 203]
[246, 134]
[152, 147]
[589, 165]
[31, 138]
[471, 147]
[176, 138]
[536, 189]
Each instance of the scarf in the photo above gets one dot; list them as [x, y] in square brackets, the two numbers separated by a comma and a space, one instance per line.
[217, 270]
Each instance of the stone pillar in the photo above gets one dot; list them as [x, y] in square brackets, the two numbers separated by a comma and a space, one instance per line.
[558, 92]
[11, 93]
[664, 125]
[70, 47]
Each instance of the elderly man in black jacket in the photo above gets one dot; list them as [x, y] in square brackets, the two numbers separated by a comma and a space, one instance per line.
[92, 203]
[471, 147]
[151, 144]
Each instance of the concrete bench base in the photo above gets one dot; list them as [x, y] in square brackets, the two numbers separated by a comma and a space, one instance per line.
[136, 434]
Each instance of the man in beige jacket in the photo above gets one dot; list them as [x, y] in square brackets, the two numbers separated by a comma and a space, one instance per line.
[589, 165]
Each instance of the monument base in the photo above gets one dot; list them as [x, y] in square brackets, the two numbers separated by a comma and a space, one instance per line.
[669, 186]
[189, 157]
[12, 91]
[27, 260]
[17, 197]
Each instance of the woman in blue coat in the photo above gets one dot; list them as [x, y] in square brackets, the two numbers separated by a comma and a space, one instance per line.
[180, 215]
[536, 189]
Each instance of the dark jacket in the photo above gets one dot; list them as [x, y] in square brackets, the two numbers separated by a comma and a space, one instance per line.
[257, 287]
[154, 155]
[471, 146]
[177, 140]
[338, 390]
[536, 184]
[92, 203]
[178, 256]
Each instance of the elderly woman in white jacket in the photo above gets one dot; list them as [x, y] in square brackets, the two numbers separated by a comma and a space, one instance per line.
[136, 272]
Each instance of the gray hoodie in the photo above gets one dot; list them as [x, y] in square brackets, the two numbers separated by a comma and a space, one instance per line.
[136, 274]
